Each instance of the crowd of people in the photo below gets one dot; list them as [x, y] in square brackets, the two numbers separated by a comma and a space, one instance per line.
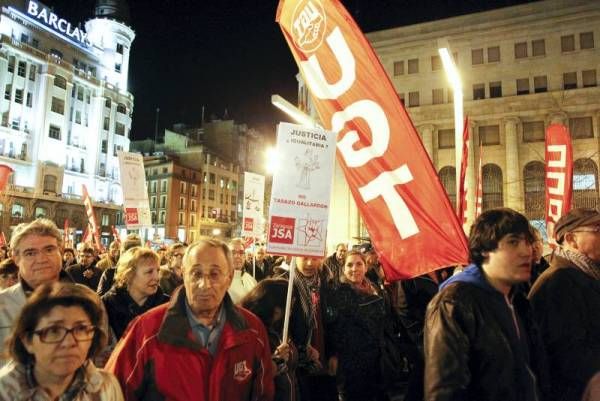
[205, 321]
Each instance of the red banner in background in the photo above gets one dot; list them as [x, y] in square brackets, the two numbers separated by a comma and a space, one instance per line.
[559, 176]
[394, 184]
[479, 194]
[89, 209]
[5, 172]
[462, 205]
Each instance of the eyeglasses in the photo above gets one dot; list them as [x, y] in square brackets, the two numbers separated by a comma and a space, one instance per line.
[56, 334]
[178, 255]
[31, 254]
[214, 277]
[238, 252]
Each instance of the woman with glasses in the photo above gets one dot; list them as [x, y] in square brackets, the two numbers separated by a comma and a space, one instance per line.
[136, 288]
[52, 345]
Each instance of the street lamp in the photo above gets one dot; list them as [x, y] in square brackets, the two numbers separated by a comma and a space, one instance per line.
[295, 113]
[216, 232]
[455, 81]
[271, 160]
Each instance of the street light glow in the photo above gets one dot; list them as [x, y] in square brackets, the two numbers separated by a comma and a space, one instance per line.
[295, 113]
[456, 83]
[216, 231]
[272, 160]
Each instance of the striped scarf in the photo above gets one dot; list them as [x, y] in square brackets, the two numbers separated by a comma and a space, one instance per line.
[306, 286]
[582, 262]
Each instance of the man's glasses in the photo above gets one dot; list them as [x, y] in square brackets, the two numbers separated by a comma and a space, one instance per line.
[56, 334]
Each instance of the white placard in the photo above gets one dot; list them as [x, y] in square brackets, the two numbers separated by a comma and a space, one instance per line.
[253, 206]
[301, 192]
[135, 197]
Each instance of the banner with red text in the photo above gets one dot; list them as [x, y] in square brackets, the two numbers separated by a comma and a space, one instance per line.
[299, 207]
[394, 184]
[462, 189]
[253, 205]
[93, 224]
[136, 207]
[559, 175]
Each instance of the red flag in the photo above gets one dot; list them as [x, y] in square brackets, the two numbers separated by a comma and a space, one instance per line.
[389, 173]
[5, 172]
[559, 176]
[87, 235]
[479, 195]
[66, 232]
[2, 238]
[248, 241]
[89, 209]
[462, 189]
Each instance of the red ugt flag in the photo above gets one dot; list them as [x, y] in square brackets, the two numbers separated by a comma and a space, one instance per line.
[89, 209]
[395, 186]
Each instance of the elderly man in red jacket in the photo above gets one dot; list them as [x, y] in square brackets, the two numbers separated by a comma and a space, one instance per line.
[199, 346]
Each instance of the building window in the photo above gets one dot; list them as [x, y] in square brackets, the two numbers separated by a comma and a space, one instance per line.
[19, 95]
[106, 123]
[448, 179]
[436, 63]
[121, 108]
[8, 92]
[540, 84]
[54, 132]
[538, 47]
[80, 93]
[153, 187]
[413, 66]
[32, 70]
[586, 40]
[211, 194]
[78, 117]
[50, 183]
[118, 67]
[107, 102]
[213, 178]
[534, 182]
[29, 100]
[193, 206]
[22, 67]
[116, 148]
[60, 82]
[161, 219]
[492, 187]
[567, 43]
[495, 89]
[413, 99]
[163, 201]
[181, 203]
[104, 147]
[182, 186]
[569, 80]
[16, 124]
[588, 78]
[58, 105]
[194, 190]
[478, 91]
[581, 128]
[523, 86]
[119, 129]
[445, 138]
[437, 96]
[585, 183]
[163, 186]
[476, 56]
[533, 131]
[489, 135]
[493, 54]
[520, 50]
[120, 48]
[398, 68]
[233, 199]
[11, 63]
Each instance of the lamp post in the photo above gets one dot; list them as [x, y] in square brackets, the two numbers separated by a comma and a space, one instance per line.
[455, 81]
[295, 113]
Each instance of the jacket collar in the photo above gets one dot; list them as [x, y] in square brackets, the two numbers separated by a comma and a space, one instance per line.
[175, 328]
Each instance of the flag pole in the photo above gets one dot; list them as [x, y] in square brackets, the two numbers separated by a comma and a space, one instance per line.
[288, 301]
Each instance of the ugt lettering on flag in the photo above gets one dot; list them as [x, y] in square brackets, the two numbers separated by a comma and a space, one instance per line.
[401, 200]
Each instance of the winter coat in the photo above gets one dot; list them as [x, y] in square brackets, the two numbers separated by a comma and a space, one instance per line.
[93, 385]
[122, 309]
[106, 280]
[566, 305]
[77, 272]
[159, 357]
[480, 347]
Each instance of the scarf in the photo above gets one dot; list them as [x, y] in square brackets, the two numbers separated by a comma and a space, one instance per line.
[306, 286]
[582, 262]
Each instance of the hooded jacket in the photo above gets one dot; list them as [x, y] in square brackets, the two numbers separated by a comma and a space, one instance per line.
[479, 345]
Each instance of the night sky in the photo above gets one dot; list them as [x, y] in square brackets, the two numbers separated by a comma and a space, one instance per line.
[230, 54]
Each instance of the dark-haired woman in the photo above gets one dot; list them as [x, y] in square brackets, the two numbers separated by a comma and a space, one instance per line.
[267, 301]
[52, 345]
[357, 315]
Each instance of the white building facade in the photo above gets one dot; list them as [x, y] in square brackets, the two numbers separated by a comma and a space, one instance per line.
[65, 112]
[523, 68]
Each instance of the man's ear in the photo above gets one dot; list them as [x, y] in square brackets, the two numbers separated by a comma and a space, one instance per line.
[570, 240]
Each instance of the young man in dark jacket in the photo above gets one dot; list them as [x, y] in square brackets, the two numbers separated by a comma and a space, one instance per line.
[480, 340]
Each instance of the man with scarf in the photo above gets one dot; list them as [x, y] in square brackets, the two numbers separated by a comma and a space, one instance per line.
[307, 330]
[566, 303]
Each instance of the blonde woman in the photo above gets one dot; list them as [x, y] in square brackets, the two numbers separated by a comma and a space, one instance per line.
[136, 288]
